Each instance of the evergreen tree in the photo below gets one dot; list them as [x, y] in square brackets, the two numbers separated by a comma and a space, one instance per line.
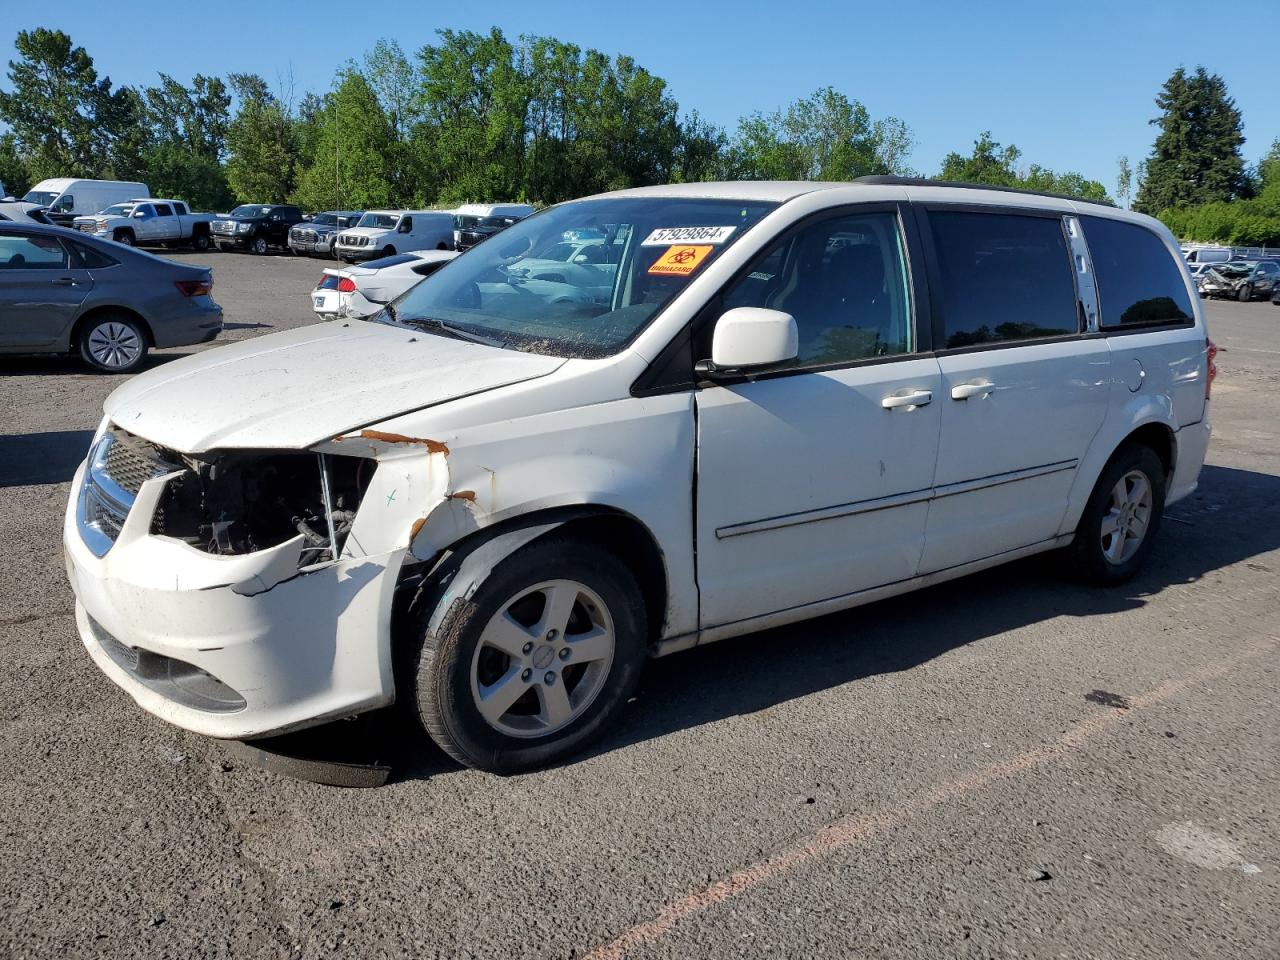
[1196, 157]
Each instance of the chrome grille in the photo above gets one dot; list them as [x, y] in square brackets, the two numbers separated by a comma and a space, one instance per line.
[224, 226]
[303, 236]
[87, 227]
[119, 465]
[132, 461]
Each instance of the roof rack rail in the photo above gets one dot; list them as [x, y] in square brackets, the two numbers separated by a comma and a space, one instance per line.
[892, 181]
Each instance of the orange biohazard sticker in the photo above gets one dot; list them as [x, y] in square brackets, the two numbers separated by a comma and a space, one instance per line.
[680, 261]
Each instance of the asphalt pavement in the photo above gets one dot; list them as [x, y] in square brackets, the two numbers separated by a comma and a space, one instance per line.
[1007, 765]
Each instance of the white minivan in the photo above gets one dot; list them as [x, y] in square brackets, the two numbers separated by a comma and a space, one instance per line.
[384, 233]
[494, 502]
[68, 198]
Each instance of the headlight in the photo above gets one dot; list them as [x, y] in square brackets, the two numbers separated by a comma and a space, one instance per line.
[245, 501]
[242, 227]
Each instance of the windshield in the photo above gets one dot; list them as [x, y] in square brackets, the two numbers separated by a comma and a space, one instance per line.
[324, 219]
[464, 220]
[42, 197]
[386, 221]
[118, 210]
[505, 291]
[250, 211]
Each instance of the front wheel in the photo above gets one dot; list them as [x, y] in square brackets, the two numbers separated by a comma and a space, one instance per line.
[113, 343]
[1122, 517]
[1245, 294]
[124, 236]
[537, 663]
[260, 245]
[201, 242]
[388, 251]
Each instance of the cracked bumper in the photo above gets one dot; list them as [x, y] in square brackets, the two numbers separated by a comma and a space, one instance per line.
[162, 620]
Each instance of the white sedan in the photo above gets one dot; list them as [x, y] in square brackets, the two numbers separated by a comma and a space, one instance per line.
[361, 291]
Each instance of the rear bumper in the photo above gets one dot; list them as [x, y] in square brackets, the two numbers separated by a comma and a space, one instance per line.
[197, 320]
[1193, 445]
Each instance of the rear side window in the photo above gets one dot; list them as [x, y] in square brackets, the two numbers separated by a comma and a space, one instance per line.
[1139, 283]
[31, 252]
[92, 259]
[1003, 277]
[164, 210]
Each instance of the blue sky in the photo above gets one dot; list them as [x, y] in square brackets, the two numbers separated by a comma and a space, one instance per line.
[1071, 84]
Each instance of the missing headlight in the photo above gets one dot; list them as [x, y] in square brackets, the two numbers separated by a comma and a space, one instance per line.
[240, 502]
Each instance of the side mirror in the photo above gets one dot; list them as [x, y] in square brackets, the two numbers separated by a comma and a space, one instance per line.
[140, 215]
[750, 338]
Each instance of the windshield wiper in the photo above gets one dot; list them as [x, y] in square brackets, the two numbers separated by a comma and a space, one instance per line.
[446, 329]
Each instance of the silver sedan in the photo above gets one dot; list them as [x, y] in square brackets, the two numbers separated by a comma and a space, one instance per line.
[62, 291]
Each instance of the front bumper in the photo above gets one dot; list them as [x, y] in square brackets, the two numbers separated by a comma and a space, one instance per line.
[322, 247]
[358, 253]
[180, 632]
[231, 241]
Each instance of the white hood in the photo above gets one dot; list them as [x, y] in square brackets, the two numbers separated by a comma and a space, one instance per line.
[298, 388]
[367, 231]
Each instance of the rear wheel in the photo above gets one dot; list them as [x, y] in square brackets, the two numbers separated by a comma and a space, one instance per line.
[1122, 517]
[113, 343]
[537, 663]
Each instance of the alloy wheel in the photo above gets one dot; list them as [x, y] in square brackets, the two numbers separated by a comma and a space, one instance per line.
[1128, 516]
[115, 345]
[542, 659]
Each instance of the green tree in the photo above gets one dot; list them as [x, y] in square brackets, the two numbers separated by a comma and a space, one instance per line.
[1196, 157]
[1124, 181]
[701, 151]
[351, 167]
[473, 100]
[14, 173]
[262, 144]
[823, 137]
[62, 116]
[993, 163]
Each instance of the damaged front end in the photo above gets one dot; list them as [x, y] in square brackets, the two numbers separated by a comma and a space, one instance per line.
[241, 593]
[245, 501]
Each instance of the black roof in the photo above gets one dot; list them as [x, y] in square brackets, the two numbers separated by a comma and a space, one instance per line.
[892, 181]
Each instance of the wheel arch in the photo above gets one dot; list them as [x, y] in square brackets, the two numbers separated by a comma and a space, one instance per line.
[104, 308]
[459, 569]
[1151, 429]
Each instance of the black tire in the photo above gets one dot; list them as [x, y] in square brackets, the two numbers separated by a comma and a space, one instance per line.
[201, 242]
[441, 246]
[388, 251]
[123, 236]
[440, 665]
[1089, 559]
[112, 328]
[259, 245]
[1245, 293]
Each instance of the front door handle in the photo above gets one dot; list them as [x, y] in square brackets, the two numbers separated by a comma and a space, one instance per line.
[917, 398]
[964, 391]
[66, 281]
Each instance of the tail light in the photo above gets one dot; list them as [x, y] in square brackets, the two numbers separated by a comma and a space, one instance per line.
[346, 285]
[194, 288]
[1211, 350]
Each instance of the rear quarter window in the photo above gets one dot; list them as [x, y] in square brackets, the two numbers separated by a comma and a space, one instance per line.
[1139, 283]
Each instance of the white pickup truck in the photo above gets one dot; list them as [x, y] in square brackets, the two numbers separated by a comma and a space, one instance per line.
[150, 222]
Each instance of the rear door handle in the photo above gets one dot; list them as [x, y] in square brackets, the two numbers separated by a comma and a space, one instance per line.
[917, 398]
[66, 281]
[964, 391]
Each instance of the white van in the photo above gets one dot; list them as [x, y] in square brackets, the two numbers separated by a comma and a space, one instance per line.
[497, 501]
[68, 198]
[470, 214]
[384, 233]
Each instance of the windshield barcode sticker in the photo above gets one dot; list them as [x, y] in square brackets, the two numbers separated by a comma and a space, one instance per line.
[665, 236]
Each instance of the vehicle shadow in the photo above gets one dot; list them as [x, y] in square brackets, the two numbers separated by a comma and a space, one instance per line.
[765, 669]
[29, 459]
[67, 364]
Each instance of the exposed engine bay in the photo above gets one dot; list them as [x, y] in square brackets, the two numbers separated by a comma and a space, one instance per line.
[241, 502]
